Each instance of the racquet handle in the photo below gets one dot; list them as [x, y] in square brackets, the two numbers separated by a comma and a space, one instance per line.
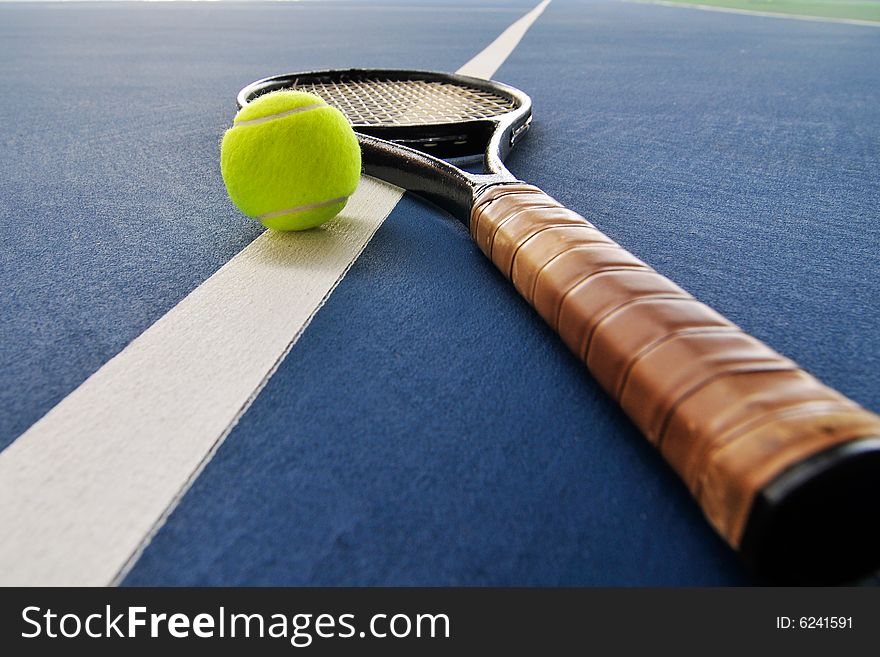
[726, 411]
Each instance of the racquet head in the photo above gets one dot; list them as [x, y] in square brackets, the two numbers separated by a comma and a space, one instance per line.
[422, 118]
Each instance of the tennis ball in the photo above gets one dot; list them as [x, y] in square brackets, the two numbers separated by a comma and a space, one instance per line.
[290, 160]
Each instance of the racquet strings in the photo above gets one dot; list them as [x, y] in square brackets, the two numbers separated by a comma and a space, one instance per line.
[383, 102]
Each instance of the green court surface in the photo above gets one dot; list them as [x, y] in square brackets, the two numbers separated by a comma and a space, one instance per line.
[866, 10]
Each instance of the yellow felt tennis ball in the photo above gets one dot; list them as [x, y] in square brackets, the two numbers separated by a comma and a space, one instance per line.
[290, 160]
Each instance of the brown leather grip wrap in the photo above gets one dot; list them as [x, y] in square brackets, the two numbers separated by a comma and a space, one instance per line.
[726, 411]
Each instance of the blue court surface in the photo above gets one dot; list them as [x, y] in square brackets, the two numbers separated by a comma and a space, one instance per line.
[425, 427]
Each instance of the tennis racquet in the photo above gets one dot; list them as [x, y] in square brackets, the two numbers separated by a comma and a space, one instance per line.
[786, 469]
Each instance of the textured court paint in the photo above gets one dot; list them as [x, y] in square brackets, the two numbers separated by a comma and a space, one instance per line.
[487, 62]
[88, 481]
[737, 154]
[456, 441]
[850, 13]
[91, 480]
[112, 208]
[396, 446]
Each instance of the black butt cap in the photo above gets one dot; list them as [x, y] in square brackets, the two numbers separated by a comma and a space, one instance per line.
[819, 521]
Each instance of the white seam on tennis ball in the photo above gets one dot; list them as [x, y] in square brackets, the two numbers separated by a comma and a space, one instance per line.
[301, 208]
[280, 115]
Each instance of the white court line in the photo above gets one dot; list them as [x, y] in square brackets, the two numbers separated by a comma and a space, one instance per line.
[484, 64]
[749, 12]
[87, 486]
